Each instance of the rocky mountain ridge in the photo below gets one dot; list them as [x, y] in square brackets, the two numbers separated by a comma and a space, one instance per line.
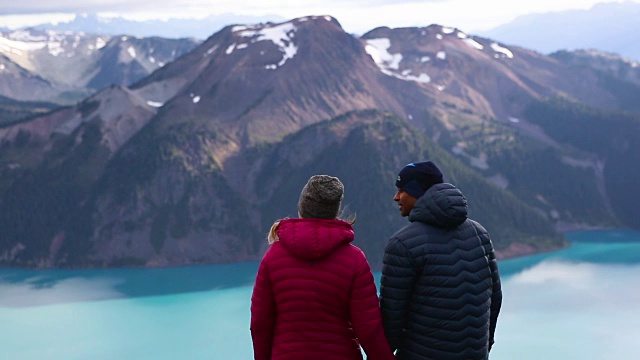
[64, 67]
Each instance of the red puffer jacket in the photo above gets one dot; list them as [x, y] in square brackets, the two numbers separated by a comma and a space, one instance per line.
[315, 297]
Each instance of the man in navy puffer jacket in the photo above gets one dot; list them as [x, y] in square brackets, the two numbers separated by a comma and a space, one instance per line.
[440, 290]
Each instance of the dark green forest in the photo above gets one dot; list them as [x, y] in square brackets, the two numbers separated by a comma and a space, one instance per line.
[613, 138]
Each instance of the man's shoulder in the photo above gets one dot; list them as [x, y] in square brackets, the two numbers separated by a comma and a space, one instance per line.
[411, 230]
[417, 229]
[479, 228]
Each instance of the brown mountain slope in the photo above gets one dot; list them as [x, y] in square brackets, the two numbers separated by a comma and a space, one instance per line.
[480, 75]
[256, 84]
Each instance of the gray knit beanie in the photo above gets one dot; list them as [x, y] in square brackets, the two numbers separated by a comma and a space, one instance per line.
[321, 197]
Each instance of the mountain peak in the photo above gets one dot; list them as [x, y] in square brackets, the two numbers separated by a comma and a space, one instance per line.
[262, 82]
[280, 34]
[406, 53]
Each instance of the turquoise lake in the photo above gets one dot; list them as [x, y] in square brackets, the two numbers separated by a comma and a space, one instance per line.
[582, 302]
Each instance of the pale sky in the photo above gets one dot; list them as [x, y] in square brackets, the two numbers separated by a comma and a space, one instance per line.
[355, 16]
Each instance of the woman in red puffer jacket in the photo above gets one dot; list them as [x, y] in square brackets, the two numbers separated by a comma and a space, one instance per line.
[315, 296]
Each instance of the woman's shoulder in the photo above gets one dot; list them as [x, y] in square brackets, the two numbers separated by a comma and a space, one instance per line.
[352, 254]
[274, 251]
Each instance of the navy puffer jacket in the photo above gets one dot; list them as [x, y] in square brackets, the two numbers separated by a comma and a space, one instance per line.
[440, 289]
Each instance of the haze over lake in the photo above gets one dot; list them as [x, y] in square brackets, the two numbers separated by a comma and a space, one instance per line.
[579, 303]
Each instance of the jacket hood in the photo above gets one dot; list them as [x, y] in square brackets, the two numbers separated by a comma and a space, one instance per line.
[312, 238]
[443, 205]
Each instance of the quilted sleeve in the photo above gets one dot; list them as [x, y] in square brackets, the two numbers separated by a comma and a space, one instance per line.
[365, 314]
[397, 283]
[263, 314]
[496, 296]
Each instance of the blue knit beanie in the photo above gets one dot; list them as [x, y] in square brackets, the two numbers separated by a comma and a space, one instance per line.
[416, 178]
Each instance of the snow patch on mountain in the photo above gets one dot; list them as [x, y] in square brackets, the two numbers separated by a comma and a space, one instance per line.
[469, 41]
[501, 51]
[472, 43]
[131, 51]
[100, 43]
[447, 30]
[22, 42]
[379, 51]
[280, 34]
[389, 63]
[155, 104]
[211, 50]
[307, 18]
[9, 45]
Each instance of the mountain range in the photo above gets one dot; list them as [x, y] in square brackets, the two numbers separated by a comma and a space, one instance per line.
[172, 28]
[607, 27]
[64, 67]
[193, 163]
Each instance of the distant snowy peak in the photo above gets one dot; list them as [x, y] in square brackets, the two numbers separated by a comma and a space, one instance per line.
[56, 43]
[21, 45]
[427, 45]
[71, 65]
[171, 28]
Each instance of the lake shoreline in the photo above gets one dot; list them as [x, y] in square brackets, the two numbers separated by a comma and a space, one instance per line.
[517, 250]
[513, 251]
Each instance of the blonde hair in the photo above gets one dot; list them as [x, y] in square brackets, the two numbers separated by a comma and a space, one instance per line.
[273, 232]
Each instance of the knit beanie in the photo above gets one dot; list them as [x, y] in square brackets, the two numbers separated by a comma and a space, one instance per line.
[321, 197]
[416, 178]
